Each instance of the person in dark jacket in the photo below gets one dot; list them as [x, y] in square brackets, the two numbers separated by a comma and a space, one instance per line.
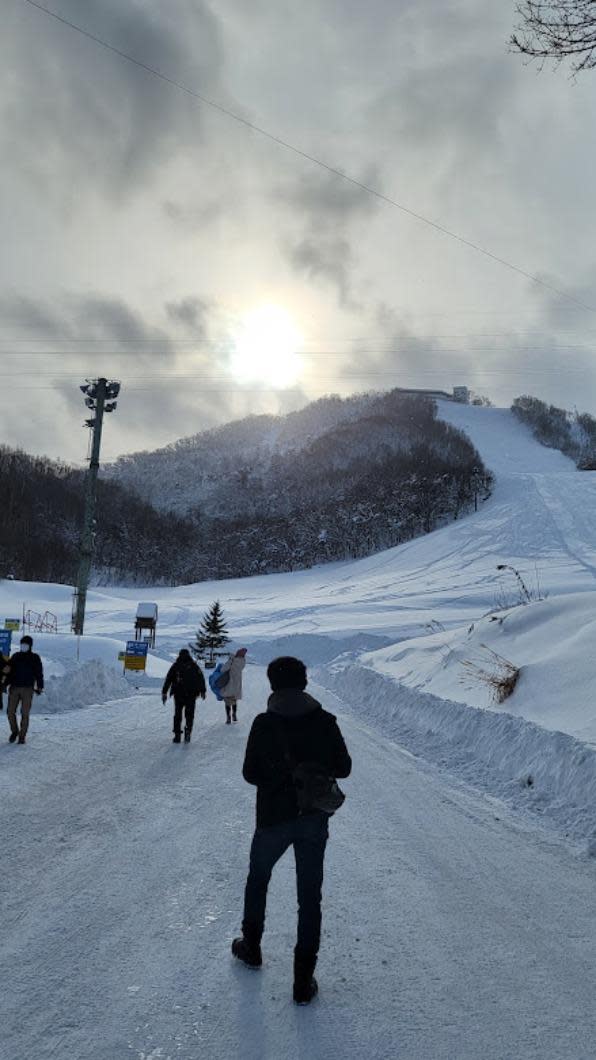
[25, 677]
[295, 729]
[185, 682]
[4, 671]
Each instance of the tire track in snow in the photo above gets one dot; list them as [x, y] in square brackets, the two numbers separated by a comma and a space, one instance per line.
[563, 516]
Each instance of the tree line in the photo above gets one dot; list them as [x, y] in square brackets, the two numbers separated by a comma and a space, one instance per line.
[365, 485]
[41, 505]
[574, 433]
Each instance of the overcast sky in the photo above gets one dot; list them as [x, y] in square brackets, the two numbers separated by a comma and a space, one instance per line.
[140, 227]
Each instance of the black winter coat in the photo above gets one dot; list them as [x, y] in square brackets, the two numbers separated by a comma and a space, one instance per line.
[309, 737]
[185, 679]
[26, 670]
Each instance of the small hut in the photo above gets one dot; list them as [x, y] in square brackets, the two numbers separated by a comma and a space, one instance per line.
[146, 623]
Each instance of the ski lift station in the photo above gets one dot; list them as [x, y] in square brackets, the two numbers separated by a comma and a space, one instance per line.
[146, 623]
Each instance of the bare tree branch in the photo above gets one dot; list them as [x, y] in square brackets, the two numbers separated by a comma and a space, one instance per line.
[557, 29]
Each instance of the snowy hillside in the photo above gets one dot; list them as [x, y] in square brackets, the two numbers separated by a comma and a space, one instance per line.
[258, 465]
[191, 471]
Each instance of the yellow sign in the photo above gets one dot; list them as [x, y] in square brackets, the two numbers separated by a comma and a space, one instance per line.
[12, 623]
[134, 662]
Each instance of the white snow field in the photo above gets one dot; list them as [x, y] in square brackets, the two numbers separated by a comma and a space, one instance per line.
[458, 919]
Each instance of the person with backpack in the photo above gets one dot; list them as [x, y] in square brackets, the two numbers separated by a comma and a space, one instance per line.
[24, 678]
[294, 754]
[185, 682]
[230, 688]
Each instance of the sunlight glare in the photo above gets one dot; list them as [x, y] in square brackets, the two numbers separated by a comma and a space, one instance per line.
[266, 348]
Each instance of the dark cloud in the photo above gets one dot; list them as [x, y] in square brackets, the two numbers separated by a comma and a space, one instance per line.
[190, 312]
[113, 319]
[327, 258]
[455, 109]
[26, 316]
[189, 218]
[329, 210]
[324, 198]
[91, 118]
[578, 310]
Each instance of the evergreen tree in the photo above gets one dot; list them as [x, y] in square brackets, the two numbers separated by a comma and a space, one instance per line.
[212, 633]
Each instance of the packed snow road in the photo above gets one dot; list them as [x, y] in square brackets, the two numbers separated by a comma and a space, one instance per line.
[450, 929]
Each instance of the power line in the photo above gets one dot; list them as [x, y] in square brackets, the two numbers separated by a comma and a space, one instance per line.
[170, 343]
[434, 365]
[308, 157]
[232, 387]
[560, 347]
[406, 311]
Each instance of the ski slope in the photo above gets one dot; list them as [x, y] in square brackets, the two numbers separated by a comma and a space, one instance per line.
[504, 443]
[451, 930]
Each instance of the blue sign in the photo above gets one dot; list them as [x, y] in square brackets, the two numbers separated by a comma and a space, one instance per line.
[5, 641]
[137, 647]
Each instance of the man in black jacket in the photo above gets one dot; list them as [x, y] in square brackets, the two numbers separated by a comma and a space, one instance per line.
[185, 682]
[25, 676]
[294, 730]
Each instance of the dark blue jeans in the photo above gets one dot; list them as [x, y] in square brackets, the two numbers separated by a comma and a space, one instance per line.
[308, 835]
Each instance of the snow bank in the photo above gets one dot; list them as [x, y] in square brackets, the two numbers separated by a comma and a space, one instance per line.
[551, 641]
[548, 773]
[91, 683]
[314, 649]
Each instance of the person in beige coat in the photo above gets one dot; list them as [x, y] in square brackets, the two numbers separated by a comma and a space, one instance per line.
[232, 691]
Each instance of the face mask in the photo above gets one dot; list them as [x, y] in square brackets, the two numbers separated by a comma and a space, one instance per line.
[25, 647]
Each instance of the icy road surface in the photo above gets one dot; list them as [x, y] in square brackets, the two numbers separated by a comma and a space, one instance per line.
[451, 930]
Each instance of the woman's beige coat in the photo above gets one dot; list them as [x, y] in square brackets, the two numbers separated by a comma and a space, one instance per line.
[233, 689]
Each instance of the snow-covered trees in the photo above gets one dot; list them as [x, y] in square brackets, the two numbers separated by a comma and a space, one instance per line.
[572, 432]
[370, 472]
[41, 511]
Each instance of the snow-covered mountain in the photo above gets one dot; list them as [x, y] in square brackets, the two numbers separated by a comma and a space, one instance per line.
[196, 470]
[340, 479]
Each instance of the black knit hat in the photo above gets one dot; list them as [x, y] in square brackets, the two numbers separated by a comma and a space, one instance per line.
[287, 672]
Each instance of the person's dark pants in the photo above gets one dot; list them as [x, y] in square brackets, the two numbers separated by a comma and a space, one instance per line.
[24, 697]
[308, 835]
[188, 707]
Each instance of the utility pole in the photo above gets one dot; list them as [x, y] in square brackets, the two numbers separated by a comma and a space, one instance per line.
[100, 398]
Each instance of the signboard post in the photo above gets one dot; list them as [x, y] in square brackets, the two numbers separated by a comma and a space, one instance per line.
[135, 657]
[5, 641]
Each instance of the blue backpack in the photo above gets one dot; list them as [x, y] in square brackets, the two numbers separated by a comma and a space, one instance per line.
[218, 681]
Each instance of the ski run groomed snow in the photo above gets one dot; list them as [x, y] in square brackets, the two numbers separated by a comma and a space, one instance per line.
[459, 895]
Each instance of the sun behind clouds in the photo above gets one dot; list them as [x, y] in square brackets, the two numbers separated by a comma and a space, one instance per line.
[265, 348]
